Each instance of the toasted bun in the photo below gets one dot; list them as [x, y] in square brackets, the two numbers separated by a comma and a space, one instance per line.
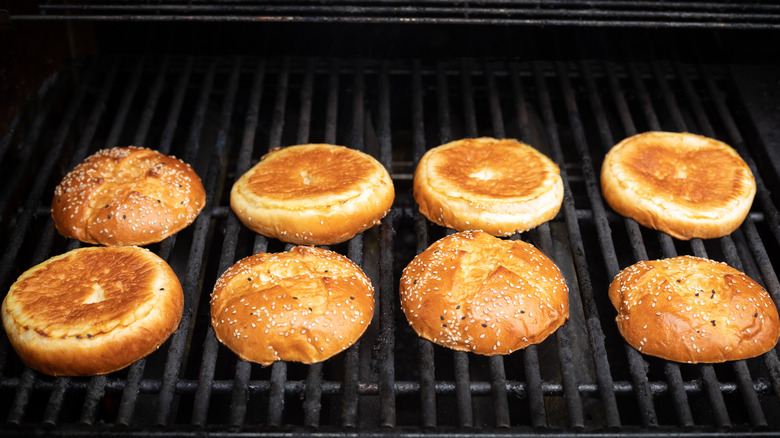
[689, 309]
[304, 305]
[685, 185]
[127, 196]
[92, 310]
[497, 186]
[316, 194]
[474, 292]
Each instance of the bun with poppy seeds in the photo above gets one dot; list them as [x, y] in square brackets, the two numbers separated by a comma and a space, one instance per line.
[304, 305]
[474, 292]
[127, 196]
[690, 309]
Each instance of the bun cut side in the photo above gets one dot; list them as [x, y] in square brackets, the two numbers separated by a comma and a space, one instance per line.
[92, 310]
[690, 309]
[315, 194]
[304, 305]
[474, 292]
[685, 185]
[499, 186]
[127, 196]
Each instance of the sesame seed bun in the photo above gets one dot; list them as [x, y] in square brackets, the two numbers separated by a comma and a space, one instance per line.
[497, 186]
[315, 194]
[474, 292]
[127, 196]
[690, 309]
[685, 185]
[304, 305]
[92, 310]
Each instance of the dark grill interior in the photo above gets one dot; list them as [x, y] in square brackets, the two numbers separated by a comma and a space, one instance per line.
[222, 113]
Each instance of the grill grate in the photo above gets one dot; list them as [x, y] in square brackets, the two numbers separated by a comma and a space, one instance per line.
[713, 14]
[221, 114]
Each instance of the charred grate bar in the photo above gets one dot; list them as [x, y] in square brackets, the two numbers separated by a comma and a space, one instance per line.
[629, 13]
[222, 114]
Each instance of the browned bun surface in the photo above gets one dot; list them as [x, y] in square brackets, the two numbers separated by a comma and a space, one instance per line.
[304, 305]
[689, 309]
[127, 196]
[685, 185]
[474, 292]
[92, 310]
[316, 194]
[497, 186]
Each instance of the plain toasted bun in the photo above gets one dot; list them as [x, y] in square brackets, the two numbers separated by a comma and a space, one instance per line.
[304, 305]
[315, 194]
[474, 292]
[690, 309]
[497, 186]
[685, 185]
[127, 196]
[92, 310]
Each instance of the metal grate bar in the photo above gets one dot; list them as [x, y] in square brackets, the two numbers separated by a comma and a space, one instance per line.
[461, 359]
[304, 113]
[209, 357]
[595, 332]
[354, 250]
[278, 369]
[179, 339]
[312, 404]
[151, 103]
[331, 115]
[175, 110]
[425, 347]
[497, 371]
[387, 294]
[566, 359]
[671, 369]
[56, 398]
[530, 353]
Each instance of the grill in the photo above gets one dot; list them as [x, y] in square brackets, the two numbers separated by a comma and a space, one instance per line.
[717, 14]
[222, 113]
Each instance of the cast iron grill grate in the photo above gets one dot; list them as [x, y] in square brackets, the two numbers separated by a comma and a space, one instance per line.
[221, 114]
[713, 14]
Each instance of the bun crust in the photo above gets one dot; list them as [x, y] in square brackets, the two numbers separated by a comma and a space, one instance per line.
[474, 292]
[304, 305]
[685, 185]
[316, 194]
[689, 309]
[497, 186]
[92, 310]
[127, 196]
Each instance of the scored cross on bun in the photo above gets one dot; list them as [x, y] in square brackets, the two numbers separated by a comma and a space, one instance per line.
[127, 196]
[474, 292]
[690, 309]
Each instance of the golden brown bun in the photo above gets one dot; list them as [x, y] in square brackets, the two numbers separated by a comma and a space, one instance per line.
[92, 310]
[689, 309]
[474, 292]
[127, 196]
[303, 305]
[685, 185]
[497, 186]
[316, 194]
